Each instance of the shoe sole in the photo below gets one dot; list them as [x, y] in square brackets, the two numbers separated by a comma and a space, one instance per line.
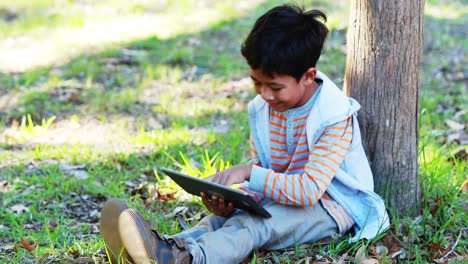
[108, 227]
[133, 233]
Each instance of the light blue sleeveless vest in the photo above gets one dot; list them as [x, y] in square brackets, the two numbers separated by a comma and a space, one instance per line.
[353, 185]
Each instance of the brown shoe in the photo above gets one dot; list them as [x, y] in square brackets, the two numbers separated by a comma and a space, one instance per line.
[146, 246]
[109, 226]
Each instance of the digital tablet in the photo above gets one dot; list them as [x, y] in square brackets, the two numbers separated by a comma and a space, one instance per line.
[238, 198]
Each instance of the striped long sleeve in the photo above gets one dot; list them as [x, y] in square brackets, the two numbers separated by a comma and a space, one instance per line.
[307, 187]
[300, 176]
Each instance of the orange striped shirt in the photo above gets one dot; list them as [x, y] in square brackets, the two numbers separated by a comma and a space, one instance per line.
[300, 176]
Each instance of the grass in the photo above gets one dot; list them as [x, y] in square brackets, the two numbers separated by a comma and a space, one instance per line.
[169, 94]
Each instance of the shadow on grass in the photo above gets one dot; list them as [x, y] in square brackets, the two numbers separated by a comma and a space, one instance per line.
[214, 51]
[116, 75]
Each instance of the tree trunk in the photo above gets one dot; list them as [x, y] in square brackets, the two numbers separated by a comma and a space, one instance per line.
[384, 45]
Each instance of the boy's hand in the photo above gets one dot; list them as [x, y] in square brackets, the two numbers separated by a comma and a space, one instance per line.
[228, 177]
[233, 175]
[217, 205]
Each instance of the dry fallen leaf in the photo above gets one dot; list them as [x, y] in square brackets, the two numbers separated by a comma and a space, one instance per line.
[19, 208]
[51, 224]
[11, 247]
[74, 252]
[400, 253]
[28, 246]
[360, 253]
[343, 259]
[454, 125]
[369, 261]
[5, 186]
[459, 137]
[381, 250]
[78, 171]
[458, 155]
[361, 257]
[84, 260]
[14, 123]
[436, 206]
[324, 261]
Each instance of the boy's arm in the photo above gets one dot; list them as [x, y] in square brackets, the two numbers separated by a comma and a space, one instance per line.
[307, 188]
[238, 173]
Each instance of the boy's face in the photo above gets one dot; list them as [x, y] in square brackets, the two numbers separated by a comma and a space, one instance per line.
[283, 92]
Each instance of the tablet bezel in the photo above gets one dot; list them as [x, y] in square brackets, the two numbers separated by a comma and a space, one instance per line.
[240, 199]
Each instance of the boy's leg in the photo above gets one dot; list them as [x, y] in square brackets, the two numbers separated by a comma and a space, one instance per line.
[207, 224]
[315, 225]
[242, 233]
[148, 246]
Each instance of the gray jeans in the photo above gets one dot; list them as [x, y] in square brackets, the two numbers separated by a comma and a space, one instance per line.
[230, 240]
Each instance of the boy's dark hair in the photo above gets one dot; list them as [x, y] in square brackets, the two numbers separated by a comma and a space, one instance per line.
[286, 40]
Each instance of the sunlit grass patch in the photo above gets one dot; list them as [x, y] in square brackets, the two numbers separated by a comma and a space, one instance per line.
[457, 11]
[63, 30]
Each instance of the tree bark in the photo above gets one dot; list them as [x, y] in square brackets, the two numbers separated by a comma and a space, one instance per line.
[384, 49]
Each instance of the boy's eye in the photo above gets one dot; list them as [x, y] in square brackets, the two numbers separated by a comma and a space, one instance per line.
[276, 89]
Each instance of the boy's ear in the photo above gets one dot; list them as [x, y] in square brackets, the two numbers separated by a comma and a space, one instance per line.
[309, 76]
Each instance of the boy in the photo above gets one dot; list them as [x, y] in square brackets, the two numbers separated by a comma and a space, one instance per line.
[307, 161]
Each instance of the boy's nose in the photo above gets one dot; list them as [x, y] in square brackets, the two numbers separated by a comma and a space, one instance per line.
[267, 95]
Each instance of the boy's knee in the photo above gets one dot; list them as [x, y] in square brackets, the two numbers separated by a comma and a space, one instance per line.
[258, 228]
[212, 222]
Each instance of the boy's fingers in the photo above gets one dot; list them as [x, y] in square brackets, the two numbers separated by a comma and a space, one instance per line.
[212, 178]
[217, 205]
[205, 197]
[206, 202]
[228, 210]
[220, 179]
[229, 182]
[221, 204]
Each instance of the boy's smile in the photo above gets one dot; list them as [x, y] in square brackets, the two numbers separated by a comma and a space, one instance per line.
[282, 92]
